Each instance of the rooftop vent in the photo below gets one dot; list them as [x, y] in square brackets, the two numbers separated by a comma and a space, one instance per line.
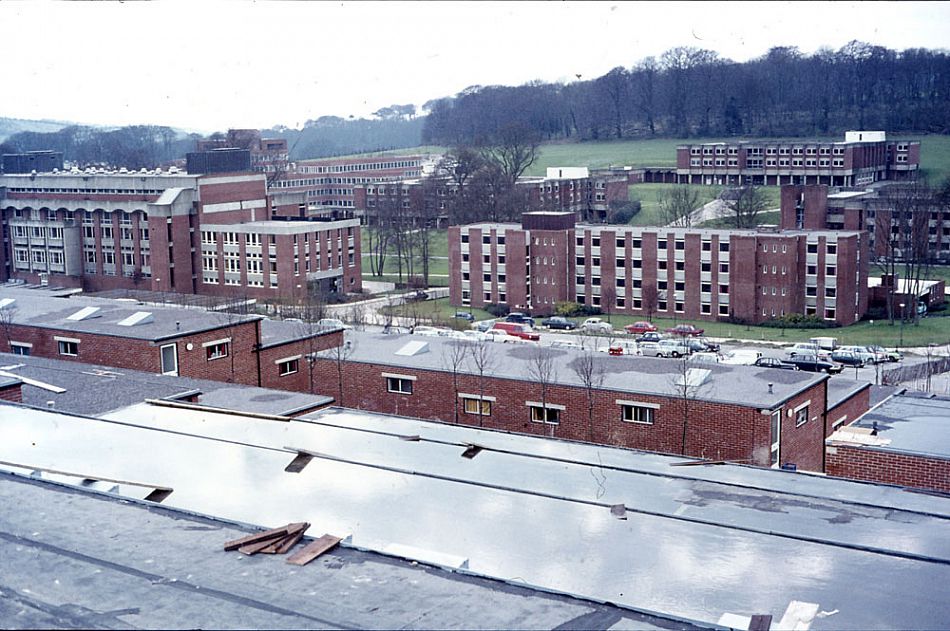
[84, 314]
[695, 377]
[412, 349]
[139, 317]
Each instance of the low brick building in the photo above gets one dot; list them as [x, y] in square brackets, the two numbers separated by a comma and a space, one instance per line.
[904, 441]
[10, 389]
[245, 349]
[766, 417]
[663, 271]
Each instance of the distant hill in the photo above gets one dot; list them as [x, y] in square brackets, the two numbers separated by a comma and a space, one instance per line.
[10, 126]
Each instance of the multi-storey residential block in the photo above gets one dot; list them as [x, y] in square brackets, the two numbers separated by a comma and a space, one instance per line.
[864, 157]
[567, 189]
[690, 273]
[205, 234]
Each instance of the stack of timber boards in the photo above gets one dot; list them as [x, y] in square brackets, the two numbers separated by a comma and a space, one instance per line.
[281, 540]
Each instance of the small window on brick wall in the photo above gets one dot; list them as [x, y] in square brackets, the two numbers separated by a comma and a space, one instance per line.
[218, 350]
[471, 406]
[542, 414]
[288, 367]
[801, 416]
[68, 348]
[399, 385]
[634, 413]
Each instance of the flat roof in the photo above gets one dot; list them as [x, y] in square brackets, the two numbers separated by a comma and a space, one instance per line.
[596, 522]
[738, 385]
[842, 389]
[93, 390]
[35, 308]
[130, 564]
[916, 423]
[677, 231]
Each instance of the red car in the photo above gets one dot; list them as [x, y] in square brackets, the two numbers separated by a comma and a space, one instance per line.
[685, 330]
[639, 328]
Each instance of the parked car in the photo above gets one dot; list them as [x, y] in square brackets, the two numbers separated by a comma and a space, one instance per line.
[741, 357]
[848, 358]
[825, 343]
[649, 349]
[416, 296]
[701, 344]
[557, 322]
[685, 330]
[673, 348]
[464, 315]
[620, 348]
[332, 323]
[706, 357]
[596, 325]
[807, 348]
[476, 336]
[638, 328]
[566, 344]
[891, 355]
[483, 325]
[520, 318]
[496, 335]
[518, 329]
[430, 331]
[867, 356]
[652, 336]
[812, 363]
[774, 362]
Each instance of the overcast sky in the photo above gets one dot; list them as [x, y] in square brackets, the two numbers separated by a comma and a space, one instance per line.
[209, 66]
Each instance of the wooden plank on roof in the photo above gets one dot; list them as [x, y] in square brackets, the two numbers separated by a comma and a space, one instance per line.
[471, 451]
[314, 549]
[267, 535]
[297, 464]
[287, 541]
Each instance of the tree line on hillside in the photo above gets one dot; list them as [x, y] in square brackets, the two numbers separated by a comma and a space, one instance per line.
[395, 128]
[695, 92]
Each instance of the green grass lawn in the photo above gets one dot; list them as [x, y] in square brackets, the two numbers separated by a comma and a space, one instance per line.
[649, 196]
[934, 157]
[438, 311]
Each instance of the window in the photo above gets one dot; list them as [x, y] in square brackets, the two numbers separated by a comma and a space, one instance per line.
[288, 367]
[216, 350]
[69, 347]
[579, 260]
[399, 385]
[831, 270]
[723, 268]
[464, 238]
[637, 412]
[472, 405]
[801, 415]
[707, 246]
[21, 348]
[661, 244]
[832, 249]
[544, 414]
[723, 246]
[812, 248]
[705, 267]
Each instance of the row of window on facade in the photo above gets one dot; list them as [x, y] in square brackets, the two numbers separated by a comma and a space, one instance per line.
[537, 412]
[771, 151]
[771, 162]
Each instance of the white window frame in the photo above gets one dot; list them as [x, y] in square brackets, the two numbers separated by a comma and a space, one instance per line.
[648, 410]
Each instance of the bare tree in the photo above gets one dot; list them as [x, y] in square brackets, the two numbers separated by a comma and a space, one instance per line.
[483, 361]
[686, 383]
[454, 354]
[591, 371]
[7, 316]
[608, 300]
[745, 206]
[340, 355]
[677, 205]
[543, 371]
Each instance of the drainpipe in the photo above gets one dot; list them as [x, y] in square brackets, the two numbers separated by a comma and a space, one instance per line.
[257, 349]
[824, 428]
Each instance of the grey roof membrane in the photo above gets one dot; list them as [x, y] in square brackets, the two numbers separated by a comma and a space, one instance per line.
[692, 542]
[915, 424]
[95, 390]
[842, 388]
[740, 385]
[76, 559]
[35, 308]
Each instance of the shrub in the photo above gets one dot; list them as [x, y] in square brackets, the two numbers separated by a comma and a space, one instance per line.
[799, 321]
[498, 311]
[623, 212]
[574, 310]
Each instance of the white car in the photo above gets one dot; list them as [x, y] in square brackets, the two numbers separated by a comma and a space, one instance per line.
[332, 323]
[740, 357]
[566, 344]
[596, 325]
[429, 331]
[497, 335]
[807, 348]
[864, 354]
[475, 336]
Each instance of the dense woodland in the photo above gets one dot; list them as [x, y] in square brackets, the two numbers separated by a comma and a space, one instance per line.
[684, 92]
[694, 92]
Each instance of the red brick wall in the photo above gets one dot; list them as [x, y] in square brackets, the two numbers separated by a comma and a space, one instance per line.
[888, 467]
[11, 393]
[301, 380]
[848, 410]
[714, 430]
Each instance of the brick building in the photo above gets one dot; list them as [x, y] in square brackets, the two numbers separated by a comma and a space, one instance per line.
[577, 190]
[267, 155]
[862, 158]
[245, 349]
[683, 272]
[903, 441]
[894, 215]
[205, 234]
[762, 416]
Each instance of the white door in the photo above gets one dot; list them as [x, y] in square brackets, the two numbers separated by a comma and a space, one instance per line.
[170, 360]
[776, 434]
